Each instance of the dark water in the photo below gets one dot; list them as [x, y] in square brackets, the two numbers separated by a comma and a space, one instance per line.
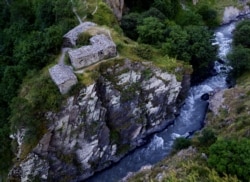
[190, 119]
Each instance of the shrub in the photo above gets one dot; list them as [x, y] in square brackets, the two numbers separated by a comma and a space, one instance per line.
[242, 34]
[143, 51]
[83, 39]
[151, 31]
[209, 16]
[207, 138]
[240, 60]
[231, 156]
[181, 143]
[104, 15]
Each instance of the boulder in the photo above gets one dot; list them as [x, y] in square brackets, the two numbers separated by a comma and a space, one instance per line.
[205, 97]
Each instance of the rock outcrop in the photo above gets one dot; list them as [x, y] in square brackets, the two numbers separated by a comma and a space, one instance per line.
[102, 47]
[232, 13]
[107, 119]
[117, 6]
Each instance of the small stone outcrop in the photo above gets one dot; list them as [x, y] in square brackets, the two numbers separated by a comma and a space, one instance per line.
[117, 6]
[69, 39]
[102, 47]
[104, 121]
[63, 77]
[232, 13]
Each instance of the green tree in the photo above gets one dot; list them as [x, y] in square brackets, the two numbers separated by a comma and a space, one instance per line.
[168, 7]
[203, 53]
[209, 15]
[153, 12]
[242, 34]
[188, 17]
[231, 156]
[177, 44]
[151, 31]
[129, 23]
[240, 60]
[192, 44]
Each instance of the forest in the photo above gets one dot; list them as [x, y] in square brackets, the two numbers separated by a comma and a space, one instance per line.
[31, 38]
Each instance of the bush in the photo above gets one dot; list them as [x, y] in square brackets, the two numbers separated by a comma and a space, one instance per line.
[209, 16]
[143, 51]
[231, 157]
[83, 39]
[207, 138]
[240, 60]
[181, 143]
[151, 31]
[242, 34]
[104, 15]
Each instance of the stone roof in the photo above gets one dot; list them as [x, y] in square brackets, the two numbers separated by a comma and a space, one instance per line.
[71, 37]
[61, 74]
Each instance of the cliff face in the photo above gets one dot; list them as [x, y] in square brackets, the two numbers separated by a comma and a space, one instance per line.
[129, 101]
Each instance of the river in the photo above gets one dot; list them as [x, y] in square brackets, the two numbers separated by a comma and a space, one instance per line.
[191, 117]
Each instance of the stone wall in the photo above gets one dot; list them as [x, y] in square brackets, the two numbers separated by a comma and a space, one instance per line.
[63, 77]
[69, 39]
[101, 48]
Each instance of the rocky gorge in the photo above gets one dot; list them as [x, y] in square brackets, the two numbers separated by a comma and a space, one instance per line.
[103, 121]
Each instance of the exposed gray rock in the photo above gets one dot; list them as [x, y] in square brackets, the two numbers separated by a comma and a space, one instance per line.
[69, 39]
[63, 77]
[104, 121]
[102, 48]
[232, 13]
[117, 6]
[216, 102]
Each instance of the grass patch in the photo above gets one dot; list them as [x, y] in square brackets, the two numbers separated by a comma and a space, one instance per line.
[104, 15]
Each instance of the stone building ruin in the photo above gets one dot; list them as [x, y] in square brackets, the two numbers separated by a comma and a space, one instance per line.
[63, 77]
[69, 39]
[101, 48]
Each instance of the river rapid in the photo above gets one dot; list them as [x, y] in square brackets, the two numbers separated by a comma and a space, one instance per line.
[191, 117]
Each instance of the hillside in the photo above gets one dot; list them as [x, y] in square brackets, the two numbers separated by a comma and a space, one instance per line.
[139, 58]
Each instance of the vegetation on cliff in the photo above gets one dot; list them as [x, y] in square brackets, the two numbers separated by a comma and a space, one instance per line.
[221, 151]
[31, 38]
[177, 32]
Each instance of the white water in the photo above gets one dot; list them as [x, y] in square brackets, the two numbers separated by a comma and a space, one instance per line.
[190, 119]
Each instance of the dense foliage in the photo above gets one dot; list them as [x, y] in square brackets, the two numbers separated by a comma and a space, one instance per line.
[231, 157]
[179, 33]
[240, 55]
[30, 37]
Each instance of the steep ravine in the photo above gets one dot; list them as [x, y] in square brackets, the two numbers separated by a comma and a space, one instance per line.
[189, 120]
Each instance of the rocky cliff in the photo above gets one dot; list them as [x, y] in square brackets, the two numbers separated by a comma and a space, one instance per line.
[104, 121]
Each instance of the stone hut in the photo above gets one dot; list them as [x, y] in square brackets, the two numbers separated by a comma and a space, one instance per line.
[63, 77]
[101, 48]
[69, 39]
